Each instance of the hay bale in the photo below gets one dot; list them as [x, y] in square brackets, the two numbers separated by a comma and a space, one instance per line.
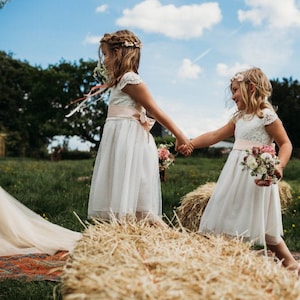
[136, 261]
[285, 193]
[192, 205]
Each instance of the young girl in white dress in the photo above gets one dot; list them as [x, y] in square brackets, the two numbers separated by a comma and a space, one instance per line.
[238, 206]
[22, 231]
[126, 173]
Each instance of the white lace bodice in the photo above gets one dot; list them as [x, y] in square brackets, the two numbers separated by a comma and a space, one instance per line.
[117, 97]
[254, 129]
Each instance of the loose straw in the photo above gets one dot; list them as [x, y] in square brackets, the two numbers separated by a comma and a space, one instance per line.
[133, 260]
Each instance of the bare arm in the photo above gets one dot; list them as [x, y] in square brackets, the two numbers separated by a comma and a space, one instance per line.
[212, 137]
[277, 131]
[141, 94]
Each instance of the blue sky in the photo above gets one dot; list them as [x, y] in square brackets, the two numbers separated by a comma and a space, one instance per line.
[191, 48]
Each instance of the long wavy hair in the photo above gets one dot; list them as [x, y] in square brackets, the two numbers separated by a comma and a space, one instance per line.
[256, 89]
[129, 55]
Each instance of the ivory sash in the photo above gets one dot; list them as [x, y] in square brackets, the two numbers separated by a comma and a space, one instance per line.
[131, 113]
[246, 144]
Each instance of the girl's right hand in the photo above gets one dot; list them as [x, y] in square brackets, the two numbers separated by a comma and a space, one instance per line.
[180, 140]
[263, 182]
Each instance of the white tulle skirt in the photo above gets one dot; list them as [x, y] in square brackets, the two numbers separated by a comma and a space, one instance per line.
[126, 173]
[22, 231]
[238, 207]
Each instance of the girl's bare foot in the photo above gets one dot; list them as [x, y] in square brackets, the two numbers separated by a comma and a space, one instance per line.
[295, 269]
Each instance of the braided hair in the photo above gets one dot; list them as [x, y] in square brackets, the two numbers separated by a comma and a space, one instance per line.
[129, 46]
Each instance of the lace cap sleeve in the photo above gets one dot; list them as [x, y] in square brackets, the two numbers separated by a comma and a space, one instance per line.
[269, 116]
[130, 78]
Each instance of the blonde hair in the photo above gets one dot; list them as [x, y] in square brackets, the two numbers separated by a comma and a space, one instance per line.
[128, 60]
[255, 89]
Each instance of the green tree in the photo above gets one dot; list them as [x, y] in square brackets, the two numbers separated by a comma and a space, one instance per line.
[2, 3]
[33, 102]
[286, 96]
[15, 84]
[88, 122]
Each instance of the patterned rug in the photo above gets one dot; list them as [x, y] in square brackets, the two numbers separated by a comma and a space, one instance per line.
[33, 267]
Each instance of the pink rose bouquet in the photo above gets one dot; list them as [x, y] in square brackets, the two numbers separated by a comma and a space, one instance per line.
[262, 161]
[165, 157]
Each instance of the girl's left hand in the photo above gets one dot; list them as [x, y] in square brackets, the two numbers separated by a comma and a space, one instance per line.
[278, 172]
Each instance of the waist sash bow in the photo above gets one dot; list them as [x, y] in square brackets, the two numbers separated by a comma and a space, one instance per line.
[131, 113]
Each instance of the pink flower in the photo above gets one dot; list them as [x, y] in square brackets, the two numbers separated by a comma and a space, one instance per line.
[261, 161]
[163, 153]
[268, 149]
[165, 157]
[239, 77]
[255, 151]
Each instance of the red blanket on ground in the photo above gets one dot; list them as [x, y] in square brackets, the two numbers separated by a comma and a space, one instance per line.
[33, 267]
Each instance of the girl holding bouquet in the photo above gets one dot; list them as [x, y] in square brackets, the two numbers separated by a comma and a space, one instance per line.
[126, 173]
[241, 206]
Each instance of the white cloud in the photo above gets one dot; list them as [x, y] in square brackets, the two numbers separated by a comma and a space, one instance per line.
[101, 8]
[183, 22]
[226, 71]
[194, 119]
[189, 70]
[277, 14]
[91, 39]
[266, 49]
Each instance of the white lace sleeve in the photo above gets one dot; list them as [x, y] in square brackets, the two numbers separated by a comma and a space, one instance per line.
[269, 116]
[130, 78]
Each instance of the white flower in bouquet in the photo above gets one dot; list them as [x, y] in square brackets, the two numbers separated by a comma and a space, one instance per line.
[251, 162]
[261, 161]
[261, 170]
[266, 156]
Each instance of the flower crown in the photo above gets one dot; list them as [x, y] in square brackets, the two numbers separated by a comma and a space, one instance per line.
[132, 44]
[239, 77]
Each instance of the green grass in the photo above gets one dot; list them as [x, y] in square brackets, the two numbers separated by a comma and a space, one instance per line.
[49, 188]
[53, 189]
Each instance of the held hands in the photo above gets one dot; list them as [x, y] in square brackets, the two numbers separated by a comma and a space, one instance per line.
[181, 145]
[185, 148]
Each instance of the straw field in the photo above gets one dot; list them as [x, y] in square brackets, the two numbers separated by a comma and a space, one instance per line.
[132, 260]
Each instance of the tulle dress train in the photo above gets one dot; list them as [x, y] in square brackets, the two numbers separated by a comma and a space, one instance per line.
[22, 231]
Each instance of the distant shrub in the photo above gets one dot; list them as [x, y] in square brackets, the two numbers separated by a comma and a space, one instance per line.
[76, 154]
[296, 153]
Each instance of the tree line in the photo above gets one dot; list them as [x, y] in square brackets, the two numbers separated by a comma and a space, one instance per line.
[33, 104]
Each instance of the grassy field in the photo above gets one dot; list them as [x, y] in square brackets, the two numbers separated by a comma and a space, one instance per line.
[56, 189]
